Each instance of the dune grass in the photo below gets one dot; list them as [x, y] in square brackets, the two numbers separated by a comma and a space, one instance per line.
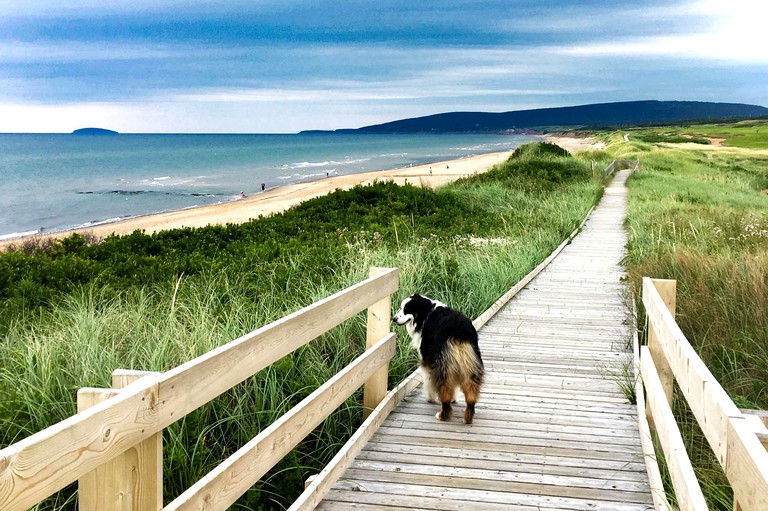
[701, 218]
[72, 314]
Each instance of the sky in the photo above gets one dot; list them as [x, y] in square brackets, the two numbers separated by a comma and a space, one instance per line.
[263, 66]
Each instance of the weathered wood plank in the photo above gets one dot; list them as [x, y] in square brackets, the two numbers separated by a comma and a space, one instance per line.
[687, 489]
[352, 491]
[496, 485]
[499, 477]
[462, 459]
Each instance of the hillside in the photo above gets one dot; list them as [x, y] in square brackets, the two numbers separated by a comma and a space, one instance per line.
[630, 113]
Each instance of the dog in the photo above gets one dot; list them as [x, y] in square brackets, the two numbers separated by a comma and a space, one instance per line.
[450, 355]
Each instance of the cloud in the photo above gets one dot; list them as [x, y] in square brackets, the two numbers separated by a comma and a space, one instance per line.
[731, 33]
[290, 65]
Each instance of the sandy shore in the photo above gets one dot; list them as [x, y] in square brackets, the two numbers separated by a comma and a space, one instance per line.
[283, 197]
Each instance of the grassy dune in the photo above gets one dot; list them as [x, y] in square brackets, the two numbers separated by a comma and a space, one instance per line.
[701, 217]
[72, 313]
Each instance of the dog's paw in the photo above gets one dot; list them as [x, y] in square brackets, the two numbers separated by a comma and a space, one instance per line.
[431, 400]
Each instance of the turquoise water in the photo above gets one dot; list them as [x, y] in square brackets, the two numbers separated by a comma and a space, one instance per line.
[55, 182]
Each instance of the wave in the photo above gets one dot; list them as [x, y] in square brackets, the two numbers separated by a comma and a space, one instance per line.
[150, 192]
[12, 235]
[321, 164]
[304, 177]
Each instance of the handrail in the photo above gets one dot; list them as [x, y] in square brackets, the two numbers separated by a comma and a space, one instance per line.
[616, 165]
[45, 462]
[734, 437]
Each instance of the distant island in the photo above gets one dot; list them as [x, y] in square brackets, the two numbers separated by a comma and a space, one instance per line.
[94, 131]
[600, 115]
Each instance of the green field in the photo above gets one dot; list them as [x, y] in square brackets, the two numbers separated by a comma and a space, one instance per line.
[749, 134]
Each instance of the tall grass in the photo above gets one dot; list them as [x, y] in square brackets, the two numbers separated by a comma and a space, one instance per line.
[700, 218]
[480, 237]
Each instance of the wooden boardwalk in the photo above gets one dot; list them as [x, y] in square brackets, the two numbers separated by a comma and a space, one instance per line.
[552, 431]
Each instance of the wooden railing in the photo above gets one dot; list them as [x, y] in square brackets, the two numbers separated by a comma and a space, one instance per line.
[739, 440]
[617, 165]
[113, 445]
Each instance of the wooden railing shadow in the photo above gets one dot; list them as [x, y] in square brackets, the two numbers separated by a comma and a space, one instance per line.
[739, 440]
[113, 445]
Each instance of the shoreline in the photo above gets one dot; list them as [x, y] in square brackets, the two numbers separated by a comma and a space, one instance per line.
[276, 199]
[281, 198]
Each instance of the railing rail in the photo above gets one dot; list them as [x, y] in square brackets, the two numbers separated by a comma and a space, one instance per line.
[736, 438]
[121, 420]
[617, 165]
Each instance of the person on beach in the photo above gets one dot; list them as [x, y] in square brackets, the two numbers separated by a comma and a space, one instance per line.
[242, 194]
[263, 186]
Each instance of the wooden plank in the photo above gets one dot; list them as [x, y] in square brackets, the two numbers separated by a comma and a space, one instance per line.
[321, 484]
[502, 463]
[509, 447]
[499, 486]
[687, 489]
[508, 423]
[519, 440]
[667, 290]
[146, 457]
[354, 491]
[222, 486]
[379, 316]
[501, 477]
[132, 480]
[660, 502]
[29, 473]
[518, 429]
[34, 468]
[458, 452]
[747, 465]
[108, 487]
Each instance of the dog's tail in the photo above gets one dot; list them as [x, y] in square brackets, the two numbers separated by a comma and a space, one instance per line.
[464, 368]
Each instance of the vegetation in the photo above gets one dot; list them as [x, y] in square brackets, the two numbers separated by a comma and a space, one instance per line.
[72, 312]
[748, 134]
[701, 217]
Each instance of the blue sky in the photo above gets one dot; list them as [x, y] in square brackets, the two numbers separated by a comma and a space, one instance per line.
[283, 66]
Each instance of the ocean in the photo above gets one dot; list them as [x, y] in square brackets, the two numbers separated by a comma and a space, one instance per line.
[53, 182]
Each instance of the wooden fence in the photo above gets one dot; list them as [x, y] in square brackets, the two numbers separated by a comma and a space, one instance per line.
[739, 440]
[617, 165]
[113, 445]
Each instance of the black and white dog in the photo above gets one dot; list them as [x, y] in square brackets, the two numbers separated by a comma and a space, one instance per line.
[450, 356]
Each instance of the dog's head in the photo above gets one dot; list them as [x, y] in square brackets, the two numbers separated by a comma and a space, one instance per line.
[414, 310]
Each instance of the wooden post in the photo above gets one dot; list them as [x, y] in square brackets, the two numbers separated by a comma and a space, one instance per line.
[379, 317]
[132, 481]
[668, 291]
